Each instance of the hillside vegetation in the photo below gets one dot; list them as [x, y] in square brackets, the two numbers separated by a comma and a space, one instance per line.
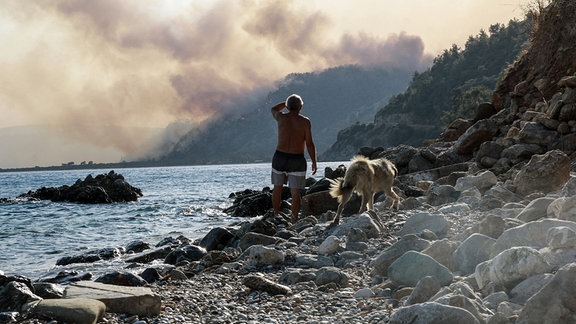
[452, 87]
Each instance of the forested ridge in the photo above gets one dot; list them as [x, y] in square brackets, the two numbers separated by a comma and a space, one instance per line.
[457, 82]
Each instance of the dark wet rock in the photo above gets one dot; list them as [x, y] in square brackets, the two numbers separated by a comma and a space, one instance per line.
[185, 253]
[336, 173]
[159, 253]
[14, 295]
[150, 275]
[67, 276]
[172, 241]
[250, 203]
[322, 184]
[261, 226]
[122, 278]
[49, 290]
[400, 155]
[8, 317]
[137, 246]
[216, 239]
[104, 188]
[4, 279]
[91, 256]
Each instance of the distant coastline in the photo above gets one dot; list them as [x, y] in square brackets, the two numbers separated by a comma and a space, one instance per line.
[116, 165]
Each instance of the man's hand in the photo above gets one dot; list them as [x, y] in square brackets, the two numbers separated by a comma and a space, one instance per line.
[277, 109]
[314, 168]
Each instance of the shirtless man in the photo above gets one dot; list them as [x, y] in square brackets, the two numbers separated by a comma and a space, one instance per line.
[289, 163]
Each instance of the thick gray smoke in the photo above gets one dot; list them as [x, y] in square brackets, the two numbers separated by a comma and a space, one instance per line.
[131, 63]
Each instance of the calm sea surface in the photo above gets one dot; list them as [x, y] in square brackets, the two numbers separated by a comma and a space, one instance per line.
[177, 201]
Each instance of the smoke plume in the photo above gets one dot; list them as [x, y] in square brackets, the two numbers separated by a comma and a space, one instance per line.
[76, 65]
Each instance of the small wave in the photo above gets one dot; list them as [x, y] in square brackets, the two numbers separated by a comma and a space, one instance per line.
[200, 210]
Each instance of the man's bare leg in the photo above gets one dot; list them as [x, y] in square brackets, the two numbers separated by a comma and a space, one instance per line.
[277, 199]
[296, 202]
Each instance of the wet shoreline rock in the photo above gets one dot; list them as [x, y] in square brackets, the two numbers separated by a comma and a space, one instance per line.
[102, 189]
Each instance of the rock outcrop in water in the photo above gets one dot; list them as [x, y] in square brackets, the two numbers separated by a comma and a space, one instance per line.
[102, 189]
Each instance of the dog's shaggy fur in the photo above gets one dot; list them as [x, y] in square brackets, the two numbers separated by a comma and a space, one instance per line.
[366, 177]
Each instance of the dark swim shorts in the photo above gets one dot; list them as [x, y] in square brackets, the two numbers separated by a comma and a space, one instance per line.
[289, 168]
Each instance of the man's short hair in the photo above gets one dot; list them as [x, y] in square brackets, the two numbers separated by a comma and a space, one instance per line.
[294, 102]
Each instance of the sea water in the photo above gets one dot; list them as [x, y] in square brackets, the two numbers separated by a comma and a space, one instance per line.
[176, 201]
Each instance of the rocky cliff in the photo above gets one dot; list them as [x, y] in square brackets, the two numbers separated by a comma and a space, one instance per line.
[533, 110]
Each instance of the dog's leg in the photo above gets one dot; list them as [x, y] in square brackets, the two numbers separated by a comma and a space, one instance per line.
[396, 199]
[367, 201]
[371, 201]
[363, 204]
[346, 194]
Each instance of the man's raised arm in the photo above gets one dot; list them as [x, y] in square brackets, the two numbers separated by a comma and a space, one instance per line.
[277, 109]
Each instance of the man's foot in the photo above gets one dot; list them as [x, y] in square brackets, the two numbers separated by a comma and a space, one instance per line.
[294, 219]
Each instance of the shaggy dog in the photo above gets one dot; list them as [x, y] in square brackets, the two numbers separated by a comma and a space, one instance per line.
[366, 177]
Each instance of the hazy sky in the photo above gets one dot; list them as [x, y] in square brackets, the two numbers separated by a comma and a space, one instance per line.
[74, 64]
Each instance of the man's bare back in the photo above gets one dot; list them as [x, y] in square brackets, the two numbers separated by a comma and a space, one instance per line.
[292, 132]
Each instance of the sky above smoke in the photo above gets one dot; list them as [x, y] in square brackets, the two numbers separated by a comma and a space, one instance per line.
[71, 65]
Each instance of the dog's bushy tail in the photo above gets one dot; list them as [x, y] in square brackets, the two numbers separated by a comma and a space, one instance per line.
[336, 188]
[339, 187]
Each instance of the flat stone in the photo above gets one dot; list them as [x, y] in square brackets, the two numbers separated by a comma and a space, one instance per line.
[74, 310]
[118, 299]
